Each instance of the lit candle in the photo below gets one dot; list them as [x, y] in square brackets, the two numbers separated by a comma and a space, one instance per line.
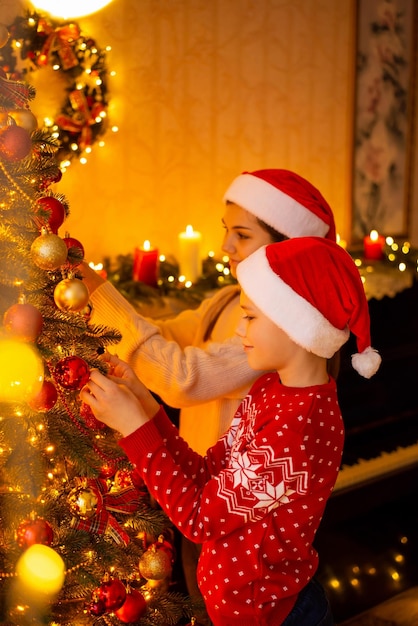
[189, 253]
[145, 267]
[373, 246]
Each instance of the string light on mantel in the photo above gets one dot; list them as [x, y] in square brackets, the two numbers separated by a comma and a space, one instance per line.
[74, 69]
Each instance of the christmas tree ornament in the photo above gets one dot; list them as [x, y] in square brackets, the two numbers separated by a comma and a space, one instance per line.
[112, 592]
[107, 471]
[155, 564]
[48, 179]
[97, 606]
[133, 608]
[72, 372]
[71, 294]
[90, 419]
[49, 211]
[87, 312]
[34, 530]
[84, 502]
[41, 571]
[45, 399]
[21, 371]
[163, 544]
[24, 118]
[15, 143]
[49, 251]
[122, 480]
[23, 321]
[4, 35]
[75, 251]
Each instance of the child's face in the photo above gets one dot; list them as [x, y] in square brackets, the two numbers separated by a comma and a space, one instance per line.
[266, 345]
[243, 235]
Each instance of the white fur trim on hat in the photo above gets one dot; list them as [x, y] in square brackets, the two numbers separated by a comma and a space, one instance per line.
[304, 324]
[274, 207]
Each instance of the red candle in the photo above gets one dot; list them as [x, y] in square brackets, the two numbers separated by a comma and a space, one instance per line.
[373, 246]
[145, 267]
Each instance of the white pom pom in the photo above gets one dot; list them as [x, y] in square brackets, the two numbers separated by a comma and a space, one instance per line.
[366, 363]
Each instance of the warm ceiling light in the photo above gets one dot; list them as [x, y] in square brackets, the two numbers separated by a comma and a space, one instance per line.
[66, 9]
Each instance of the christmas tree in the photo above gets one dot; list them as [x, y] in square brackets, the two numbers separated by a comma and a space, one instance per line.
[81, 542]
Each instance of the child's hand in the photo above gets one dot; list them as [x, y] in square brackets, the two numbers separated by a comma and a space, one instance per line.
[121, 372]
[119, 369]
[114, 404]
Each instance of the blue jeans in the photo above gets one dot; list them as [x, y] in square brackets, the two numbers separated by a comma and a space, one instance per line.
[311, 608]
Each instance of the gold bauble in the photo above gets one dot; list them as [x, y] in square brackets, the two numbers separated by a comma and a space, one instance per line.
[21, 371]
[49, 251]
[24, 118]
[83, 502]
[40, 570]
[71, 294]
[155, 564]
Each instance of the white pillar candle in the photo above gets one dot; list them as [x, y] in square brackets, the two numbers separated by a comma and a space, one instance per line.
[189, 253]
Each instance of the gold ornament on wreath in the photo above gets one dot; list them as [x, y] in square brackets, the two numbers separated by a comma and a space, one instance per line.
[69, 73]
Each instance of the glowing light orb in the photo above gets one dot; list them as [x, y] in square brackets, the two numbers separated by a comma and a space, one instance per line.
[41, 570]
[21, 371]
[70, 8]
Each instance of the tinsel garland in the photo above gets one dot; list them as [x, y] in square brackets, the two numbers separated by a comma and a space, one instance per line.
[36, 42]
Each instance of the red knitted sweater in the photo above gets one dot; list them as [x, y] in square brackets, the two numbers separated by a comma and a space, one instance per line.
[255, 500]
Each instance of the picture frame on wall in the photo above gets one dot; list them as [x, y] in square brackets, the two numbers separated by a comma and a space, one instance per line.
[383, 116]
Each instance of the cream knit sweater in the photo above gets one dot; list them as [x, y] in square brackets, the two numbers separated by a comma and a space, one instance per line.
[205, 377]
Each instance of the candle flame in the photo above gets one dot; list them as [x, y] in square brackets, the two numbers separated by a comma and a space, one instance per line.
[146, 246]
[189, 229]
[374, 235]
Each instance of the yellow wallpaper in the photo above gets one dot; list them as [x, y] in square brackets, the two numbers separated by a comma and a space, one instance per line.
[203, 91]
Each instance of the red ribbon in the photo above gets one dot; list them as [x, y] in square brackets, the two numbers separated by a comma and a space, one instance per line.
[59, 40]
[124, 501]
[82, 120]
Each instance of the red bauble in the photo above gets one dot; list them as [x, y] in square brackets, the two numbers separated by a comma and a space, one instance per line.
[55, 211]
[23, 321]
[166, 546]
[45, 399]
[34, 531]
[75, 251]
[15, 143]
[107, 471]
[113, 594]
[89, 418]
[97, 607]
[133, 608]
[72, 372]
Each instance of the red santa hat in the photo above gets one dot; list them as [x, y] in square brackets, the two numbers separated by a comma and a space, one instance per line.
[311, 288]
[285, 201]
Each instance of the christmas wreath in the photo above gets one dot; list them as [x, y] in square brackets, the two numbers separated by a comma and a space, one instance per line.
[71, 68]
